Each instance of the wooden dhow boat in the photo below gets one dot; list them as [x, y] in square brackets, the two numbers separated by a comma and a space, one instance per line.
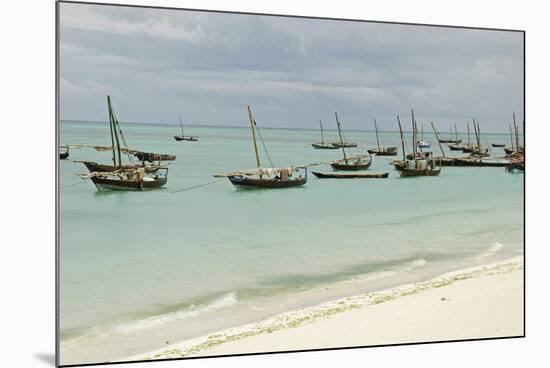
[123, 177]
[323, 144]
[382, 150]
[349, 164]
[418, 163]
[184, 137]
[266, 178]
[154, 159]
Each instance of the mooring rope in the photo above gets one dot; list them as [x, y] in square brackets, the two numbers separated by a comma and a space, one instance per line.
[73, 184]
[197, 186]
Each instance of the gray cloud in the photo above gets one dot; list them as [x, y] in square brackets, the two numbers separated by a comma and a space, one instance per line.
[158, 64]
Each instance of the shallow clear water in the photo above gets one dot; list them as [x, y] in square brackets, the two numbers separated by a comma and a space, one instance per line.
[135, 263]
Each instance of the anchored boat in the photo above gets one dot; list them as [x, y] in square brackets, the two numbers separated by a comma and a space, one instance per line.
[382, 150]
[119, 176]
[323, 144]
[267, 178]
[183, 137]
[349, 164]
[417, 163]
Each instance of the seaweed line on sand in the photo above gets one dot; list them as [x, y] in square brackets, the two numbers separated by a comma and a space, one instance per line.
[308, 315]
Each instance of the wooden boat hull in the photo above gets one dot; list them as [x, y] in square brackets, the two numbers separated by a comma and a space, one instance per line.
[350, 175]
[351, 167]
[455, 141]
[323, 146]
[467, 150]
[186, 138]
[345, 145]
[456, 147]
[383, 152]
[471, 162]
[104, 183]
[63, 155]
[498, 145]
[245, 182]
[407, 172]
[95, 167]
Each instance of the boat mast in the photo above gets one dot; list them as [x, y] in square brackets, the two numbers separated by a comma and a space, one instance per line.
[414, 134]
[376, 129]
[340, 135]
[322, 136]
[517, 132]
[478, 137]
[456, 134]
[252, 126]
[114, 123]
[181, 125]
[468, 126]
[402, 140]
[475, 132]
[437, 137]
[113, 136]
[511, 138]
[421, 132]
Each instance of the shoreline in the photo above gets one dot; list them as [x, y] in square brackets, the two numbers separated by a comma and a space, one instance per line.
[473, 289]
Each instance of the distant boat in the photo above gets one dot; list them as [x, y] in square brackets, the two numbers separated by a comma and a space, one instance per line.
[183, 137]
[63, 152]
[468, 147]
[417, 163]
[423, 144]
[478, 151]
[382, 151]
[267, 178]
[119, 176]
[349, 164]
[323, 144]
[498, 145]
[344, 144]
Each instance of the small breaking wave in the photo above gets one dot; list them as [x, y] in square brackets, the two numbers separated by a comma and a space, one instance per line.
[193, 310]
[493, 250]
[391, 271]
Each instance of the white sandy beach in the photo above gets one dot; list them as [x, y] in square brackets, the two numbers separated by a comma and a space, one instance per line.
[479, 302]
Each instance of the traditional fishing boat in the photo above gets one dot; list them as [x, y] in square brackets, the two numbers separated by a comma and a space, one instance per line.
[128, 179]
[323, 144]
[468, 147]
[478, 151]
[358, 175]
[515, 148]
[183, 137]
[63, 152]
[382, 150]
[417, 163]
[154, 159]
[267, 178]
[123, 177]
[349, 164]
[498, 145]
[344, 144]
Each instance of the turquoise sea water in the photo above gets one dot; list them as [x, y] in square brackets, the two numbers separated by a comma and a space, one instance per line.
[141, 268]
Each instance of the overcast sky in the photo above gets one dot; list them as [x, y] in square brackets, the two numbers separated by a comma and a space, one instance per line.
[206, 67]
